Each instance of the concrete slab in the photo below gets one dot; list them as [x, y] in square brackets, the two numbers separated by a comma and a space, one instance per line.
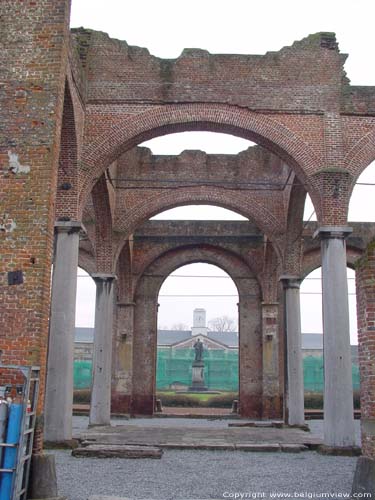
[117, 451]
[203, 438]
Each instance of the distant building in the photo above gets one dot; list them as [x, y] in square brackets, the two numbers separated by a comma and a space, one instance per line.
[175, 355]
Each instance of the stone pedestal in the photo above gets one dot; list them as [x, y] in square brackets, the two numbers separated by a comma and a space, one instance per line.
[197, 383]
[338, 389]
[59, 385]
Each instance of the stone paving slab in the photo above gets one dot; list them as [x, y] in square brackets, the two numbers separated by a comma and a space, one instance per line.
[117, 451]
[223, 438]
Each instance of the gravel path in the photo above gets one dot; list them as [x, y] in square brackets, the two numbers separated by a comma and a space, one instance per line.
[196, 475]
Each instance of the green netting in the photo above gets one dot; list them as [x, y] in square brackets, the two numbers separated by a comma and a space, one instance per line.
[82, 373]
[174, 367]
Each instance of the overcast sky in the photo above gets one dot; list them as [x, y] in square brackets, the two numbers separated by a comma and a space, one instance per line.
[166, 27]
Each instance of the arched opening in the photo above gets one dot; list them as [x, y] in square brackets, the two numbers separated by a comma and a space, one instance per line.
[198, 303]
[84, 337]
[312, 336]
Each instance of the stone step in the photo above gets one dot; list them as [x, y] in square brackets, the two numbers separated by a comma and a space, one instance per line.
[117, 451]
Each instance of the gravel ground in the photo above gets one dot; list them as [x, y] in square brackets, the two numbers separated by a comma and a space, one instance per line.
[196, 475]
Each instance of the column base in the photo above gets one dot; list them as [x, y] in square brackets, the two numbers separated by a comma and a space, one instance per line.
[43, 481]
[339, 451]
[364, 477]
[66, 444]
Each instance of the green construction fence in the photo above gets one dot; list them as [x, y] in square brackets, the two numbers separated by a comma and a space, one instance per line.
[174, 371]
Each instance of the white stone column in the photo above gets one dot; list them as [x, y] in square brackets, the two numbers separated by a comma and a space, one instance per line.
[295, 394]
[100, 409]
[338, 388]
[59, 385]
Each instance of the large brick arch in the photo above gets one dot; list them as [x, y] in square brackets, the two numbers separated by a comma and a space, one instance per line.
[166, 263]
[67, 181]
[360, 156]
[145, 326]
[132, 130]
[245, 205]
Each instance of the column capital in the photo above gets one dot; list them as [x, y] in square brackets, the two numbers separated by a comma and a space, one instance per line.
[103, 277]
[338, 232]
[69, 226]
[290, 281]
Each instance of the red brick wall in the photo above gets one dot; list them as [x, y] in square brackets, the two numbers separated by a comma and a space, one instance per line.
[34, 36]
[365, 277]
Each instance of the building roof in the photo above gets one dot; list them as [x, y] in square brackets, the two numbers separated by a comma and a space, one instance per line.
[168, 337]
[312, 341]
[84, 334]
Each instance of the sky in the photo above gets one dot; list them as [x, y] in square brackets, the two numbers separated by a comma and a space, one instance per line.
[166, 27]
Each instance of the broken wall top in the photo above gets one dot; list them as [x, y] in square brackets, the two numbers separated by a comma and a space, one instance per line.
[305, 77]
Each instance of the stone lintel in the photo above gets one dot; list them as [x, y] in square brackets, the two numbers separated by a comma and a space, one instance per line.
[290, 281]
[100, 277]
[71, 226]
[327, 232]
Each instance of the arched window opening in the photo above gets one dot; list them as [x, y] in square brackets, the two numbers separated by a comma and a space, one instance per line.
[198, 305]
[361, 206]
[312, 330]
[209, 142]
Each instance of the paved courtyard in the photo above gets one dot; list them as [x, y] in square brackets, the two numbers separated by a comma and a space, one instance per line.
[201, 474]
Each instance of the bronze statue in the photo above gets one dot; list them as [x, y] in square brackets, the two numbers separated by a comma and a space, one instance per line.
[198, 347]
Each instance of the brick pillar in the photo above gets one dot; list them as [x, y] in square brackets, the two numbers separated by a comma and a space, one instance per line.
[100, 409]
[144, 355]
[364, 480]
[338, 388]
[59, 387]
[250, 357]
[123, 358]
[294, 393]
[271, 401]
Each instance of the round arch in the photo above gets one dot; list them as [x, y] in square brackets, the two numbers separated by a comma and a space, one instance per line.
[145, 325]
[166, 119]
[242, 204]
[360, 156]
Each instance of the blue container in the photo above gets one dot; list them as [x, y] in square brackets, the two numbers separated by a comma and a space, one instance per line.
[10, 454]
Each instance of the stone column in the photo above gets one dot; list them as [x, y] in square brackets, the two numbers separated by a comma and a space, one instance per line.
[100, 409]
[59, 385]
[271, 401]
[295, 395]
[122, 365]
[338, 389]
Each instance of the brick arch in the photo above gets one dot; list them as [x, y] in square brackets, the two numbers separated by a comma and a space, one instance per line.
[167, 262]
[67, 175]
[312, 260]
[266, 131]
[241, 204]
[360, 156]
[250, 338]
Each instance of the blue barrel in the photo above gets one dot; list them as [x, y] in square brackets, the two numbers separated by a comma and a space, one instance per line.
[3, 425]
[10, 454]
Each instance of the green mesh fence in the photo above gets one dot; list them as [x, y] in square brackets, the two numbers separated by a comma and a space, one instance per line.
[82, 373]
[173, 371]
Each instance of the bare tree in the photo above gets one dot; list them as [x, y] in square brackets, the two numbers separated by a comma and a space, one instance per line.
[179, 326]
[222, 324]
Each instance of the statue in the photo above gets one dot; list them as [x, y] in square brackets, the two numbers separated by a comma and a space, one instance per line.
[198, 347]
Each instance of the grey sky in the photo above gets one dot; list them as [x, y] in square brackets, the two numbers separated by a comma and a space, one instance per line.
[166, 27]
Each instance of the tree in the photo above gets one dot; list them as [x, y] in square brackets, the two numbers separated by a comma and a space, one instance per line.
[223, 324]
[179, 326]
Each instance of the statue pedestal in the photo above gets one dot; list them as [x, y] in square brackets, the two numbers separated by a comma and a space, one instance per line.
[197, 383]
